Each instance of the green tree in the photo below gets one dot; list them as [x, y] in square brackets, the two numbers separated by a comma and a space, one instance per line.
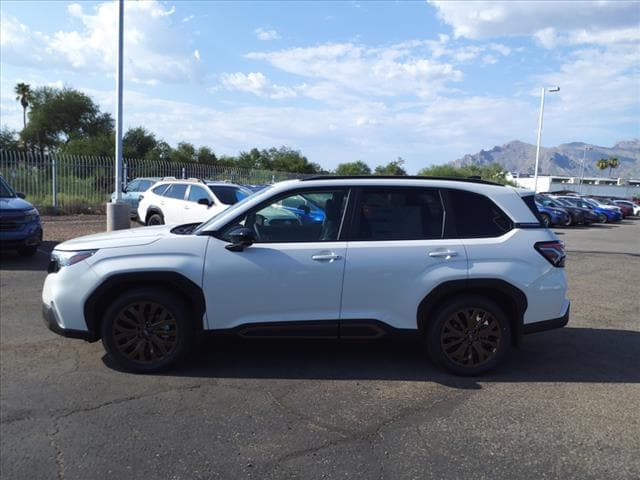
[58, 116]
[8, 139]
[602, 163]
[103, 145]
[353, 168]
[162, 151]
[184, 152]
[613, 162]
[206, 155]
[23, 92]
[254, 159]
[137, 142]
[392, 168]
[493, 172]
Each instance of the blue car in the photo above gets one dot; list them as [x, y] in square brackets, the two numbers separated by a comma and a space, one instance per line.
[131, 193]
[20, 227]
[613, 214]
[552, 215]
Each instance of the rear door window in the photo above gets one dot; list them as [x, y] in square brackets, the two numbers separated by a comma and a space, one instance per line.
[398, 214]
[476, 216]
[176, 191]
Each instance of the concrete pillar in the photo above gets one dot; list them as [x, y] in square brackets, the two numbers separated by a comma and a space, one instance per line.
[118, 216]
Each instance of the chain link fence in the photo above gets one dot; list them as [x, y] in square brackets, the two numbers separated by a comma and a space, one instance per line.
[77, 183]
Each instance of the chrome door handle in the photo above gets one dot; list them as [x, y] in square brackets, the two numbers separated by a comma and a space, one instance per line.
[443, 254]
[324, 257]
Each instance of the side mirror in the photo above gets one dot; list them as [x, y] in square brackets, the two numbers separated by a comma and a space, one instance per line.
[20, 195]
[124, 189]
[204, 201]
[240, 239]
[304, 208]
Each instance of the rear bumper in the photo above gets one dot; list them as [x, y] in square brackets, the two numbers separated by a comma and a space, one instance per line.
[546, 324]
[50, 320]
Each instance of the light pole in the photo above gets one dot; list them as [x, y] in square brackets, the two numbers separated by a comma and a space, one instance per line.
[535, 175]
[118, 211]
[584, 156]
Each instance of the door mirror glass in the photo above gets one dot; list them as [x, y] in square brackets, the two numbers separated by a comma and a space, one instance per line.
[240, 238]
[20, 195]
[204, 201]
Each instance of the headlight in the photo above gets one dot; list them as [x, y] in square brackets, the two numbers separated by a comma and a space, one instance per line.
[31, 215]
[60, 258]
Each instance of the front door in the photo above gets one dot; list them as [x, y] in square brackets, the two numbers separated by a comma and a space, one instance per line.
[290, 277]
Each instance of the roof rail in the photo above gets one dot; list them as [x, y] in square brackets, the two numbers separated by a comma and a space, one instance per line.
[400, 177]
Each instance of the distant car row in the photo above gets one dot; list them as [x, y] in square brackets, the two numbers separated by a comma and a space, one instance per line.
[569, 210]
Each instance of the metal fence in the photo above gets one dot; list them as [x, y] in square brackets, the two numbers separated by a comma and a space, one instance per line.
[75, 183]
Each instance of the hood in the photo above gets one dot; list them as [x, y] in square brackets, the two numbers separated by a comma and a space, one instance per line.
[120, 238]
[14, 204]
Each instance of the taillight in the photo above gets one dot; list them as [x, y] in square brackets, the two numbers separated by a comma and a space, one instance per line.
[553, 251]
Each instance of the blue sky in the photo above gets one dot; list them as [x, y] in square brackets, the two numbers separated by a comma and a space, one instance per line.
[341, 81]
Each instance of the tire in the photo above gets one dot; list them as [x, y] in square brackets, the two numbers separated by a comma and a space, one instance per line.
[465, 343]
[546, 219]
[155, 219]
[147, 330]
[602, 218]
[28, 251]
[569, 222]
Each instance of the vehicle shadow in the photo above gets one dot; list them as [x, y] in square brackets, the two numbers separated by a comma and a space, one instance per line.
[566, 355]
[11, 261]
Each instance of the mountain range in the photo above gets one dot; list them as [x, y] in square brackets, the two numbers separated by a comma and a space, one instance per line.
[565, 159]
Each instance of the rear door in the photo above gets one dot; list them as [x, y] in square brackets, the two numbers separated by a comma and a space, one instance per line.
[396, 255]
[173, 203]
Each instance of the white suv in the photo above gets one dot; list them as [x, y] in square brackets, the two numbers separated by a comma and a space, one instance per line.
[466, 265]
[174, 201]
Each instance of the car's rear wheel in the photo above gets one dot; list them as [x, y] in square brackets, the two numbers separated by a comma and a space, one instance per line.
[546, 219]
[155, 219]
[602, 218]
[147, 330]
[468, 336]
[569, 222]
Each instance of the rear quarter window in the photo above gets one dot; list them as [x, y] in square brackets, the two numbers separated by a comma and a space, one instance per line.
[476, 216]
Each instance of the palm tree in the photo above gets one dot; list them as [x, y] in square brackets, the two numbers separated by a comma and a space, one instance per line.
[23, 90]
[602, 163]
[613, 162]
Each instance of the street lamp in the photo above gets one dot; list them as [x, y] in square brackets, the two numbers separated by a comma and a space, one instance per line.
[535, 175]
[584, 156]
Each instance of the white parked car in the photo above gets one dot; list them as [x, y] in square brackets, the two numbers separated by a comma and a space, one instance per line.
[192, 200]
[465, 265]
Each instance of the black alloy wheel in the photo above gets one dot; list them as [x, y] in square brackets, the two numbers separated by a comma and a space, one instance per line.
[147, 331]
[469, 336]
[155, 219]
[546, 219]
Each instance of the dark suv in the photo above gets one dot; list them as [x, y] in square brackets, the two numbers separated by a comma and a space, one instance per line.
[20, 227]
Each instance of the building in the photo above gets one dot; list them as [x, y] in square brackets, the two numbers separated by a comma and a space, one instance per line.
[615, 187]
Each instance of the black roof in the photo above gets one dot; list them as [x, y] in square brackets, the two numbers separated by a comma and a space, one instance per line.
[403, 177]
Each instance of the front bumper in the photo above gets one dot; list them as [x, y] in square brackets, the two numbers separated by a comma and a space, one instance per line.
[28, 235]
[50, 320]
[546, 324]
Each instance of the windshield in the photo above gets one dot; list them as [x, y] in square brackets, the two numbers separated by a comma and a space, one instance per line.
[5, 190]
[547, 202]
[564, 202]
[232, 208]
[229, 195]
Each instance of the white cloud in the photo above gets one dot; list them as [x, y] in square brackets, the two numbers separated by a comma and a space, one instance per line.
[580, 21]
[262, 34]
[256, 83]
[386, 71]
[155, 51]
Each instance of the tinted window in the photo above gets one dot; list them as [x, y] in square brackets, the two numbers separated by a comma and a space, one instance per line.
[176, 191]
[196, 193]
[5, 189]
[399, 214]
[313, 216]
[160, 189]
[229, 194]
[144, 185]
[475, 215]
[133, 186]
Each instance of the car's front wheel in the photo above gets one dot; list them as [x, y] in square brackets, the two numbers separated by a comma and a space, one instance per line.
[155, 219]
[468, 335]
[147, 330]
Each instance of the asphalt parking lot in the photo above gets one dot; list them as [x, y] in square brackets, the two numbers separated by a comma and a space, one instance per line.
[565, 404]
